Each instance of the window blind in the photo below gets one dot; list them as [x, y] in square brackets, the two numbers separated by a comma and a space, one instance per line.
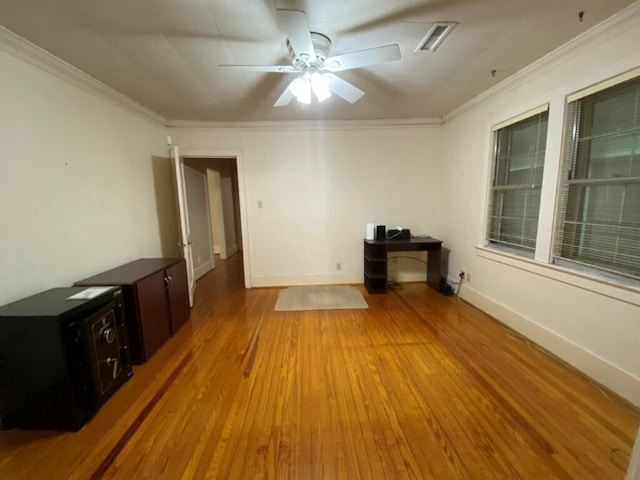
[517, 180]
[599, 222]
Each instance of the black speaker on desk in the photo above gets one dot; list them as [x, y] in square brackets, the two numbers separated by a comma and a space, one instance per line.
[381, 232]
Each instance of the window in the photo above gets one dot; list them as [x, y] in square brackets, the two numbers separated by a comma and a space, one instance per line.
[599, 216]
[517, 180]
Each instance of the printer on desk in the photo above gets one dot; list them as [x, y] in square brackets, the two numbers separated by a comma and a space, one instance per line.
[398, 234]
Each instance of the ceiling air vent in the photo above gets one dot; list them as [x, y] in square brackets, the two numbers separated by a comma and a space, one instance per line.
[434, 37]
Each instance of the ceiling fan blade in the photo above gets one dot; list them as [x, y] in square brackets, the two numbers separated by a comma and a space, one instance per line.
[285, 98]
[344, 89]
[362, 58]
[294, 25]
[264, 68]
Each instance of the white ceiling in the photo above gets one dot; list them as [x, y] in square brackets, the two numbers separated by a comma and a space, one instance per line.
[165, 54]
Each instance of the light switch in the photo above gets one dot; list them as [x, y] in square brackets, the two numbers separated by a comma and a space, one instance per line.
[259, 203]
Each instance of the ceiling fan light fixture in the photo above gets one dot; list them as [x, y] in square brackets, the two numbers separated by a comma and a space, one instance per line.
[320, 86]
[301, 89]
[309, 54]
[435, 36]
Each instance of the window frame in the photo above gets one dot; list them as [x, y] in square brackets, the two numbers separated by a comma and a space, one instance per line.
[493, 187]
[569, 167]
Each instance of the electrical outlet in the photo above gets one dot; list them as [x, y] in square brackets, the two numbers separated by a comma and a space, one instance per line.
[464, 275]
[260, 205]
[338, 266]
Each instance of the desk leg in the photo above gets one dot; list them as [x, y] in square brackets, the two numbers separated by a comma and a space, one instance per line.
[433, 268]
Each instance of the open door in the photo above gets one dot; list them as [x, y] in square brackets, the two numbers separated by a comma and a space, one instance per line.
[185, 233]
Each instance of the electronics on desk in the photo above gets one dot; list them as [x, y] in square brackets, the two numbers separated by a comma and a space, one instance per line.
[370, 232]
[398, 234]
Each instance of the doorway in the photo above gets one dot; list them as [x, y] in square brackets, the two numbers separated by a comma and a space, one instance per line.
[215, 210]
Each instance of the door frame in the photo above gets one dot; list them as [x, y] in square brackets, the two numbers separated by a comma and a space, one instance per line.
[244, 225]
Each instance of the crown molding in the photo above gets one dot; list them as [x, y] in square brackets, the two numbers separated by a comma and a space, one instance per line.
[612, 23]
[307, 124]
[19, 47]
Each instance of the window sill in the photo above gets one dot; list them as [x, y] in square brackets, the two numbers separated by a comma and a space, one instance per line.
[602, 286]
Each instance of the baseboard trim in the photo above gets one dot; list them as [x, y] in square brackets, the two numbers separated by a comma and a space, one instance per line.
[202, 269]
[295, 280]
[621, 382]
[232, 249]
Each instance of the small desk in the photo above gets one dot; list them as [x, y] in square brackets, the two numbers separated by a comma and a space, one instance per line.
[375, 260]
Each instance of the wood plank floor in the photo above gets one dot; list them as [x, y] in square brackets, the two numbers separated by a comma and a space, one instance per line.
[417, 386]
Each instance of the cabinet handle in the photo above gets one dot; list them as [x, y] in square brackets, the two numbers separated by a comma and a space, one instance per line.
[170, 279]
[166, 282]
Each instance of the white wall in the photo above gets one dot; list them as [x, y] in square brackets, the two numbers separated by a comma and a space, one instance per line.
[593, 325]
[319, 186]
[215, 212]
[231, 241]
[77, 191]
[197, 201]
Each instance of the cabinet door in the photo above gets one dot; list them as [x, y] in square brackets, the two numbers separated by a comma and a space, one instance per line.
[154, 313]
[178, 293]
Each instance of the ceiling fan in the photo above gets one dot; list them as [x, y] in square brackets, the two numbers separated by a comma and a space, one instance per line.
[310, 59]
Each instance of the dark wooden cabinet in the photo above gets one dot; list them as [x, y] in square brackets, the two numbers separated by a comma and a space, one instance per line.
[178, 292]
[156, 300]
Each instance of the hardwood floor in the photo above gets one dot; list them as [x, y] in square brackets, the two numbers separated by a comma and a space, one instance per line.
[417, 386]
